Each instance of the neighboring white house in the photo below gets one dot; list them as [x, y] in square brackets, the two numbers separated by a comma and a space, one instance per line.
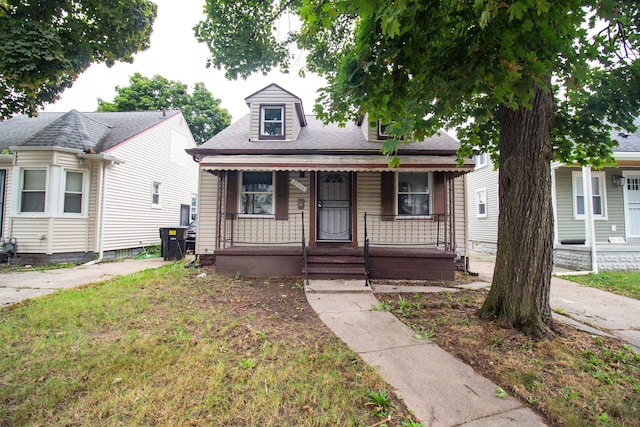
[612, 217]
[80, 186]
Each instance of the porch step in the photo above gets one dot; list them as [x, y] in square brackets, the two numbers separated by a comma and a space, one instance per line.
[336, 264]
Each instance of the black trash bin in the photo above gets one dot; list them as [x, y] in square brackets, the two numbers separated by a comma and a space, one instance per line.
[174, 242]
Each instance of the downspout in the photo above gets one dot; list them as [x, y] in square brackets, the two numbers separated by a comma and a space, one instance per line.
[101, 207]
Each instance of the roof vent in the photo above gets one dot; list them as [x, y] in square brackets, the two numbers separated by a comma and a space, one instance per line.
[624, 135]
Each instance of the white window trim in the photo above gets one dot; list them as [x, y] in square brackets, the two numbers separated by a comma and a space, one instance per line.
[85, 193]
[483, 160]
[273, 198]
[263, 108]
[153, 193]
[20, 182]
[486, 205]
[194, 207]
[601, 175]
[430, 193]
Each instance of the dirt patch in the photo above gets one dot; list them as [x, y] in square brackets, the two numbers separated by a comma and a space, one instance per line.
[577, 379]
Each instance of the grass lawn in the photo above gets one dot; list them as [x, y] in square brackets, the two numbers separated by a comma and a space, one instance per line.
[174, 346]
[624, 283]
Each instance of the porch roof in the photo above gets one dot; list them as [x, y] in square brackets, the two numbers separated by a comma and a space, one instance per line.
[342, 163]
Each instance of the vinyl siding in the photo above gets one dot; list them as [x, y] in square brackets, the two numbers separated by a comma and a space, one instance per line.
[483, 229]
[274, 96]
[52, 231]
[130, 218]
[571, 228]
[368, 199]
[459, 200]
[207, 200]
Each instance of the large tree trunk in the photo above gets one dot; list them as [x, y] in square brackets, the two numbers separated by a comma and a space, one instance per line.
[519, 295]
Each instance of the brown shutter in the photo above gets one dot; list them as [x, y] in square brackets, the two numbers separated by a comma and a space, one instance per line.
[232, 193]
[439, 193]
[282, 195]
[387, 192]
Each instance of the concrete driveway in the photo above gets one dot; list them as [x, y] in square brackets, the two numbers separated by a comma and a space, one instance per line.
[605, 311]
[18, 286]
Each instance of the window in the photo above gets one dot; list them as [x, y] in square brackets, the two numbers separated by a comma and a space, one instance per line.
[73, 192]
[272, 122]
[481, 203]
[413, 193]
[256, 193]
[481, 160]
[33, 190]
[194, 206]
[155, 194]
[597, 193]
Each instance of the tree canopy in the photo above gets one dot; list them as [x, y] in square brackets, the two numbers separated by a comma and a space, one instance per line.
[528, 81]
[201, 110]
[47, 44]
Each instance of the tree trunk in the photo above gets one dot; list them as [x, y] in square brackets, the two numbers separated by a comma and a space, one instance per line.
[519, 295]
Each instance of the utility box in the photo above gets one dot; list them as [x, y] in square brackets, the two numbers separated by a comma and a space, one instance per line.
[174, 242]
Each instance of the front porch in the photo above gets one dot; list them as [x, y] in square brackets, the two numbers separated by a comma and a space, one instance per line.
[394, 248]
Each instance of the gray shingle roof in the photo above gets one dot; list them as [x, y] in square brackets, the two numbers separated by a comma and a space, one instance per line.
[97, 131]
[627, 142]
[316, 137]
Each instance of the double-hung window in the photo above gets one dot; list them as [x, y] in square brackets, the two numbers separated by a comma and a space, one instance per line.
[272, 122]
[481, 203]
[481, 160]
[33, 190]
[155, 194]
[256, 193]
[73, 192]
[413, 194]
[598, 195]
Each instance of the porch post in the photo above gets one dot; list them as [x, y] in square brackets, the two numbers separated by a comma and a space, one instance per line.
[590, 229]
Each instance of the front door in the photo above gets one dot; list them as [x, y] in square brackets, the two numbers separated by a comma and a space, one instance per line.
[334, 206]
[632, 195]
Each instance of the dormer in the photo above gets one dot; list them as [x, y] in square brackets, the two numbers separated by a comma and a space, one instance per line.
[276, 114]
[373, 130]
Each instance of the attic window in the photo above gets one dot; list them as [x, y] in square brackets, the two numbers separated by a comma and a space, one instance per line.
[272, 122]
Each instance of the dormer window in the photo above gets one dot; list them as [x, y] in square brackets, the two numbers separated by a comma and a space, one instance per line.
[382, 131]
[272, 122]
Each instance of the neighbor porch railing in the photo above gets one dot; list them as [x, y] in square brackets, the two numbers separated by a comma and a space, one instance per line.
[266, 230]
[403, 231]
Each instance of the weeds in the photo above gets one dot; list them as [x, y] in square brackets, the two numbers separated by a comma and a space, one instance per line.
[379, 402]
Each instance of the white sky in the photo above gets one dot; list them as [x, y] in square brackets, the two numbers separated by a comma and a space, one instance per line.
[176, 55]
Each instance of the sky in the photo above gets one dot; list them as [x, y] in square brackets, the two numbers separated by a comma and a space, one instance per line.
[176, 55]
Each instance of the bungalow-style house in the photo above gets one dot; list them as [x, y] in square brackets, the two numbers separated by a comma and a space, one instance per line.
[77, 187]
[603, 235]
[282, 194]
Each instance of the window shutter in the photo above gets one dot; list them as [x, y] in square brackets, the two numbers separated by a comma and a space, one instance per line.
[387, 192]
[282, 195]
[232, 193]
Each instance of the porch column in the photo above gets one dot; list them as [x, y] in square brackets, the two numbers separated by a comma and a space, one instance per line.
[589, 225]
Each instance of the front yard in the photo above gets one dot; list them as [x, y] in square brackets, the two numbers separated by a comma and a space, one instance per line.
[175, 346]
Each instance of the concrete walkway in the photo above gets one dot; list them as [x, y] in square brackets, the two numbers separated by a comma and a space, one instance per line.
[18, 286]
[437, 387]
[604, 311]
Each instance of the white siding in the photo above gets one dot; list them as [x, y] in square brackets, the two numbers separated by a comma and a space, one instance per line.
[130, 219]
[485, 229]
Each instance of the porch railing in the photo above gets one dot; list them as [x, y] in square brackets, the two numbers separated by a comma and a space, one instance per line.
[402, 231]
[262, 230]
